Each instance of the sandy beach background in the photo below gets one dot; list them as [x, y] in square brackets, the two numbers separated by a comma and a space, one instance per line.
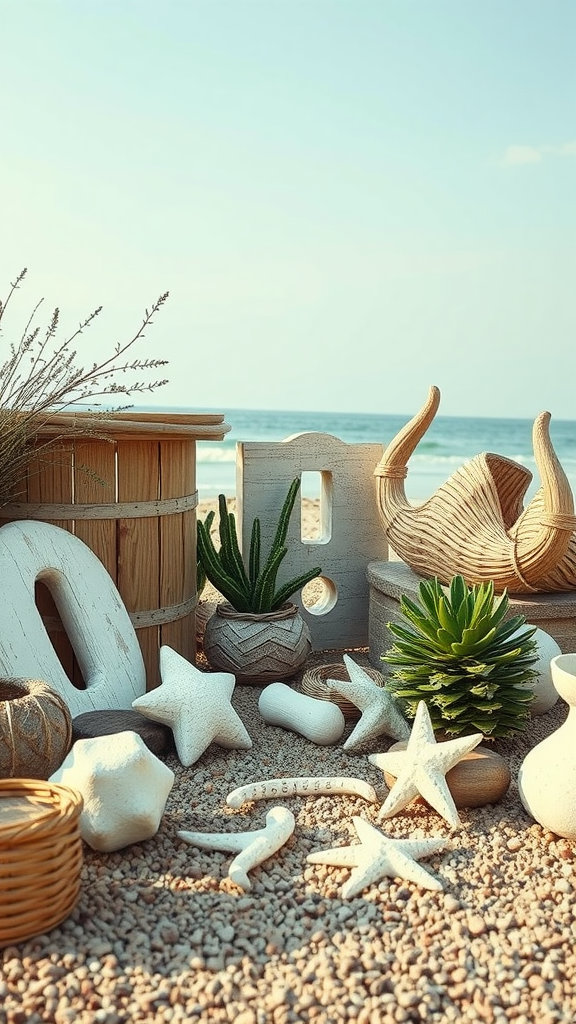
[310, 513]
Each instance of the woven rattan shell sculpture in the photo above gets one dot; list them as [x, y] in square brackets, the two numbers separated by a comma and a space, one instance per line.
[35, 729]
[475, 524]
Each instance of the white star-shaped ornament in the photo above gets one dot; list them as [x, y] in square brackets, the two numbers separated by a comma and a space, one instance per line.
[378, 856]
[196, 705]
[421, 768]
[380, 714]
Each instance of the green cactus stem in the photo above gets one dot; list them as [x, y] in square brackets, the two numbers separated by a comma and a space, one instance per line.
[249, 588]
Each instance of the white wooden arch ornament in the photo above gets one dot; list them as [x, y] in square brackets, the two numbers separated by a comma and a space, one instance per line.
[90, 607]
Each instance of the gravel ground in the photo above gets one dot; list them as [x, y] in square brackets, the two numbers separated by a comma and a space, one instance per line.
[160, 933]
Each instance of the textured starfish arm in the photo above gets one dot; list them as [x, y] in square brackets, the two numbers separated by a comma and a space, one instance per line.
[412, 871]
[418, 848]
[337, 857]
[394, 761]
[363, 876]
[450, 752]
[401, 794]
[233, 735]
[433, 787]
[305, 785]
[190, 745]
[359, 695]
[369, 728]
[147, 706]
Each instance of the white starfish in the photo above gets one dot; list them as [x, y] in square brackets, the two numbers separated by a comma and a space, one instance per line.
[422, 767]
[379, 711]
[196, 705]
[378, 856]
[252, 847]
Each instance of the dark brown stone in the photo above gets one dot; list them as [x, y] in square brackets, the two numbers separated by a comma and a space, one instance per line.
[157, 737]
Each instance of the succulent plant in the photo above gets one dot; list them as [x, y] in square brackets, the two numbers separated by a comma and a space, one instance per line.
[470, 665]
[201, 577]
[251, 587]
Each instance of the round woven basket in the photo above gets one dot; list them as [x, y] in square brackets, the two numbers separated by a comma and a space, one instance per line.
[204, 609]
[35, 729]
[40, 856]
[314, 684]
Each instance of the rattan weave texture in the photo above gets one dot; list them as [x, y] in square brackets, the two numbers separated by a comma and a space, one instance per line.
[314, 685]
[40, 857]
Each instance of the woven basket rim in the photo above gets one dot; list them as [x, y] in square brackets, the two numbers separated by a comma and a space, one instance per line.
[337, 670]
[54, 804]
[314, 684]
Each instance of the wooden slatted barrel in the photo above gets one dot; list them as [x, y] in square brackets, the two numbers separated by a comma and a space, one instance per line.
[125, 484]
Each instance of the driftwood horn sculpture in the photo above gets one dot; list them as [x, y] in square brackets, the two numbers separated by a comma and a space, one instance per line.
[475, 524]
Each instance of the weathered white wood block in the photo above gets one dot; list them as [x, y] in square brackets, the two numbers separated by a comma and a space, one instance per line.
[92, 612]
[351, 533]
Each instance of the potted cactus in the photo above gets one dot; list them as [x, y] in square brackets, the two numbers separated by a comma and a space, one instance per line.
[472, 666]
[256, 633]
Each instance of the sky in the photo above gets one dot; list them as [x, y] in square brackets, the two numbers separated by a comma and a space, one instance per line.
[347, 200]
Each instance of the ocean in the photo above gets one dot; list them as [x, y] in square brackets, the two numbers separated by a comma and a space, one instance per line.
[449, 442]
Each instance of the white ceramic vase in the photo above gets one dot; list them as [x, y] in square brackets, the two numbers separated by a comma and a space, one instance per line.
[545, 693]
[547, 776]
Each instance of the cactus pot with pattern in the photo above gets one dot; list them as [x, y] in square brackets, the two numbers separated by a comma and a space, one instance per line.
[257, 648]
[256, 633]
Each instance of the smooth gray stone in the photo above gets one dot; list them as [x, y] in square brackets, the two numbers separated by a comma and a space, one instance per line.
[157, 737]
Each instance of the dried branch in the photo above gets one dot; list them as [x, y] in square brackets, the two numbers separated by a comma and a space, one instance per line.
[42, 375]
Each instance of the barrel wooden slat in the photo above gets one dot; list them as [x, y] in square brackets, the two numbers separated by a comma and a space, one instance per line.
[138, 467]
[50, 479]
[178, 546]
[95, 483]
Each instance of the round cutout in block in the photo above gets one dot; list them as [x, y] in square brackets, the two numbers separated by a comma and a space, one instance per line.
[320, 595]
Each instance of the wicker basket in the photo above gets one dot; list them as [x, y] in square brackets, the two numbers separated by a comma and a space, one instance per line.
[314, 684]
[204, 609]
[40, 857]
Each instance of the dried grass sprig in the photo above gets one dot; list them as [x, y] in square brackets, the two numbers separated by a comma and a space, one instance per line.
[42, 375]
